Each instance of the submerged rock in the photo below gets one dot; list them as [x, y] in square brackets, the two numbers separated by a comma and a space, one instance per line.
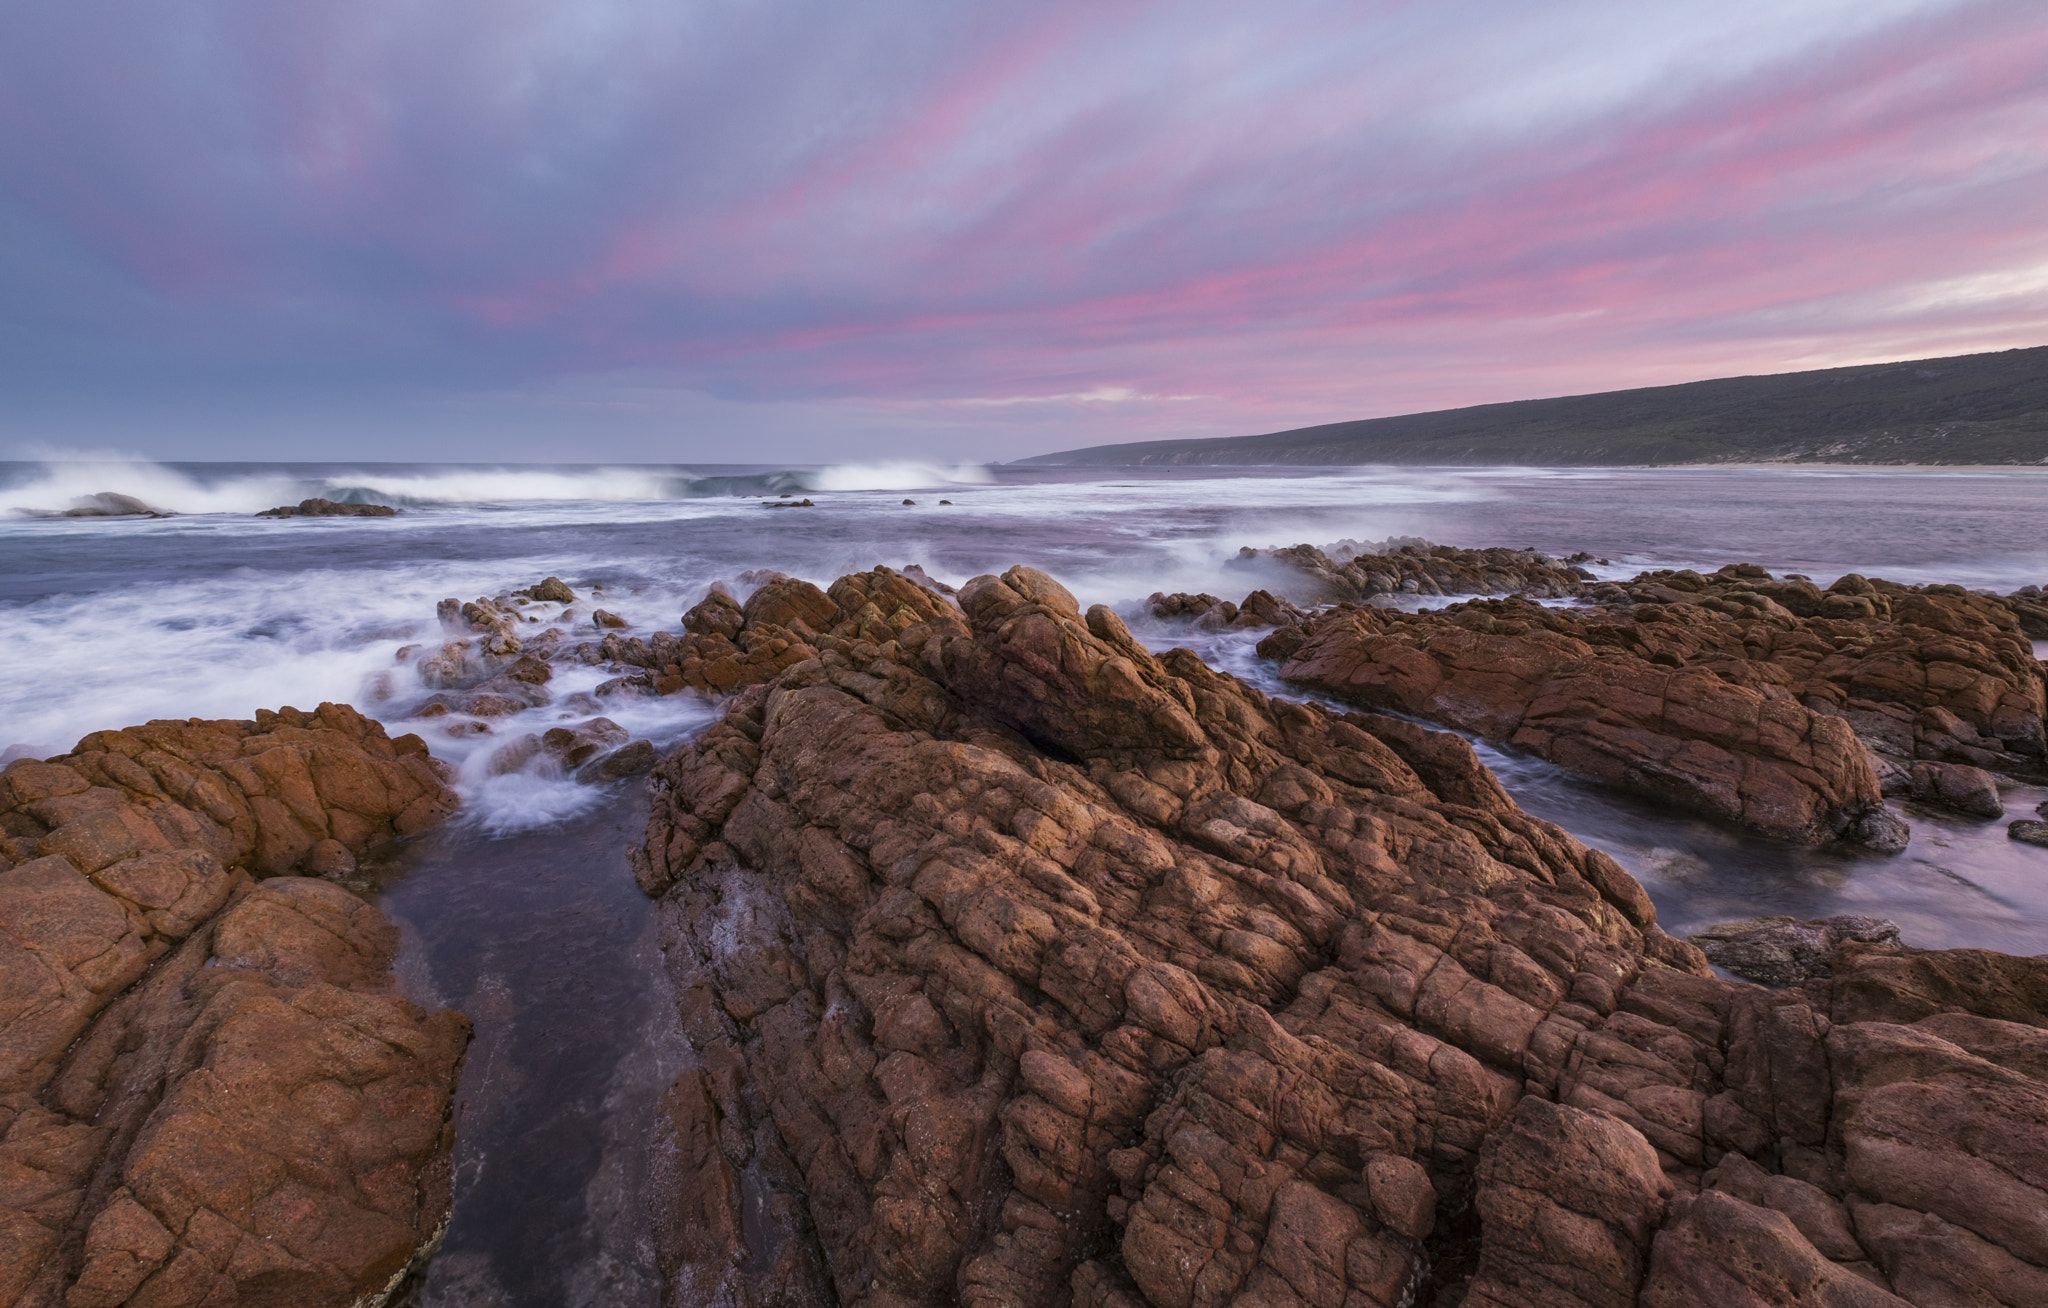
[1020, 966]
[210, 1091]
[318, 507]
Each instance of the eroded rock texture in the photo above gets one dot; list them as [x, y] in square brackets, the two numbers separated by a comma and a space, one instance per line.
[1023, 967]
[1420, 567]
[1771, 704]
[209, 1091]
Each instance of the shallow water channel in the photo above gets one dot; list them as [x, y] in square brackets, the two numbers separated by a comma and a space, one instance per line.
[545, 941]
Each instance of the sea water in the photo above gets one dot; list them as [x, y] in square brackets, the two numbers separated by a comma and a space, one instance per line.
[522, 913]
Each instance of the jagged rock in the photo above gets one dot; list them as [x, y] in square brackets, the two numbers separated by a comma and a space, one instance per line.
[209, 1090]
[1021, 966]
[1413, 566]
[318, 507]
[1702, 689]
[1783, 951]
[1683, 735]
[2028, 832]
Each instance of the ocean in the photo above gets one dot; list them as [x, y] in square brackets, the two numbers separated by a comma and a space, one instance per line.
[522, 913]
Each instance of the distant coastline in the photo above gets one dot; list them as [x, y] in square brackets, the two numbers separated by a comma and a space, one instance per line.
[1972, 410]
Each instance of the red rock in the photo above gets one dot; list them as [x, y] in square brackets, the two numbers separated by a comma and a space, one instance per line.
[209, 1091]
[1039, 969]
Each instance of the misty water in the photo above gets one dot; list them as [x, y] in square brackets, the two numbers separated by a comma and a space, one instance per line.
[522, 912]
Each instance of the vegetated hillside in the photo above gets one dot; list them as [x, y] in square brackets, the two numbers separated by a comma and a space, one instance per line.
[1970, 409]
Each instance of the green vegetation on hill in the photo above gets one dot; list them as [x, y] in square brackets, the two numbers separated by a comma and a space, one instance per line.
[1970, 409]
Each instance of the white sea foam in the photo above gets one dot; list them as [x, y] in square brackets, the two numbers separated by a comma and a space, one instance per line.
[897, 476]
[59, 484]
[516, 485]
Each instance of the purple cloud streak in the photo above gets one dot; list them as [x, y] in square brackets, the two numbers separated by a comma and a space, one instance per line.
[1052, 223]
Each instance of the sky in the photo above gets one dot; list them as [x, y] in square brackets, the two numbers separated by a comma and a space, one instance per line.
[806, 230]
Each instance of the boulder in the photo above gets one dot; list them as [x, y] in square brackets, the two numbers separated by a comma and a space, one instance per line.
[1958, 786]
[210, 1091]
[552, 589]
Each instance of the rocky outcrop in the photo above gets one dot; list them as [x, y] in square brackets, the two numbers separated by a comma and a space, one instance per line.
[1261, 610]
[318, 507]
[1020, 966]
[726, 645]
[1370, 570]
[1515, 673]
[209, 1090]
[1737, 695]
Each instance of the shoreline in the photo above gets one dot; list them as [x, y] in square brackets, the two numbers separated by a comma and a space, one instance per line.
[869, 639]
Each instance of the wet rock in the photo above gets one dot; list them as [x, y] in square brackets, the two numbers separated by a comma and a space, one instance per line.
[2028, 832]
[1355, 571]
[318, 507]
[1181, 604]
[574, 746]
[1957, 786]
[605, 619]
[1784, 951]
[107, 504]
[628, 761]
[553, 590]
[1260, 609]
[209, 1090]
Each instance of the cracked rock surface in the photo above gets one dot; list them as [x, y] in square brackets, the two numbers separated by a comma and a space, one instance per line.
[1021, 966]
[210, 1091]
[1769, 704]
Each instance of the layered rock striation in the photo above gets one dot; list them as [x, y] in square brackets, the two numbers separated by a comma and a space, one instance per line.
[210, 1091]
[1771, 704]
[1353, 571]
[1020, 966]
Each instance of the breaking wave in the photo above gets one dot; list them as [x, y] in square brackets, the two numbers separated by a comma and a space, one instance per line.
[76, 485]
